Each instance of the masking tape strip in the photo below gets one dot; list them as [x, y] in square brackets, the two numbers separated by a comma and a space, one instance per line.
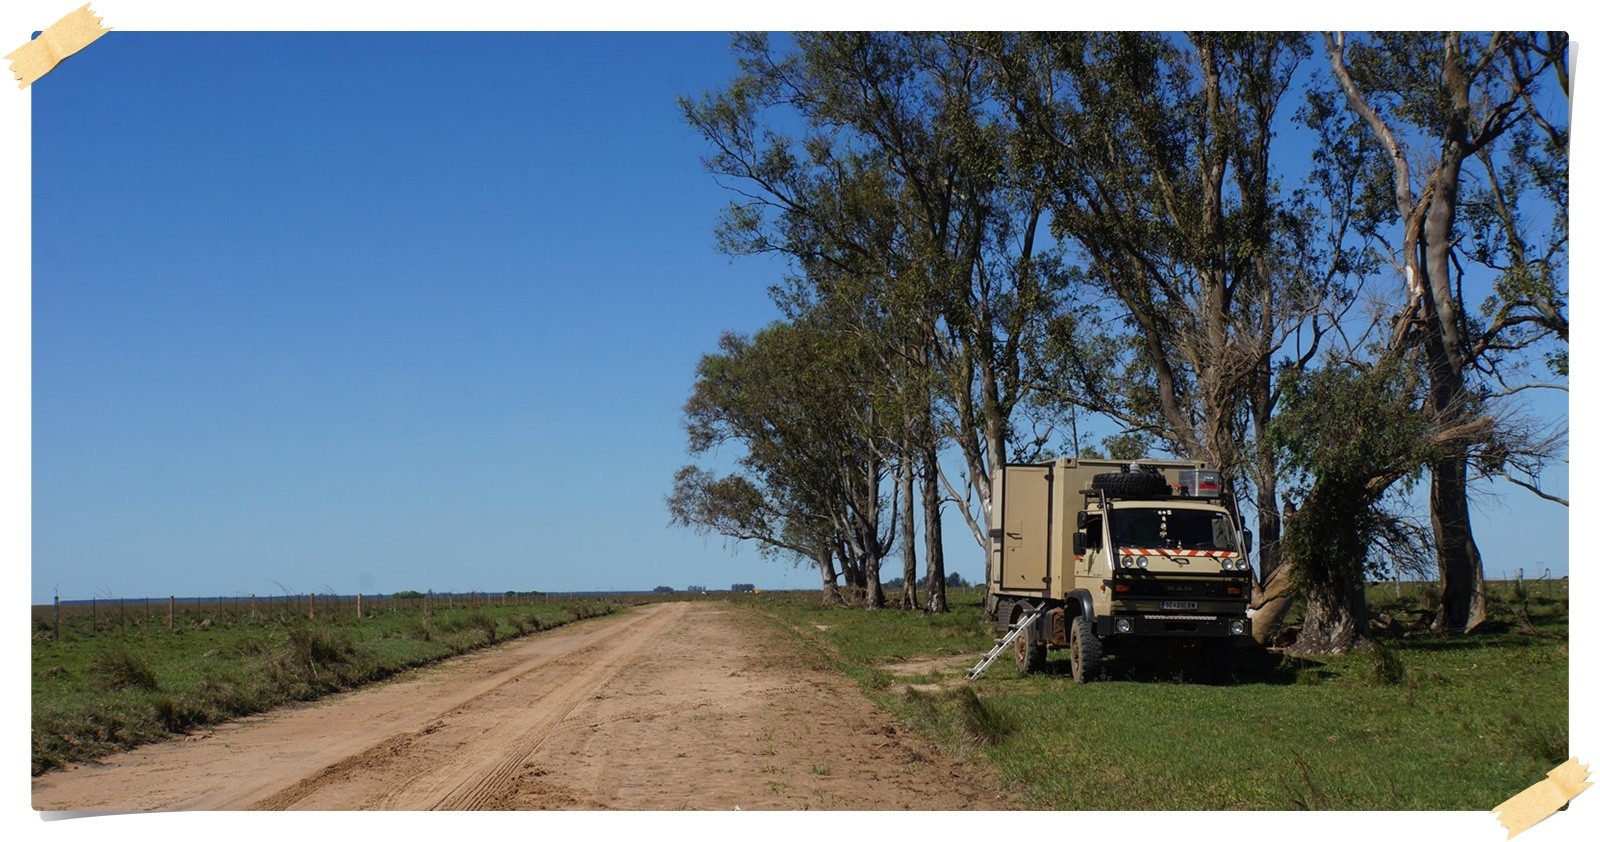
[63, 38]
[1532, 805]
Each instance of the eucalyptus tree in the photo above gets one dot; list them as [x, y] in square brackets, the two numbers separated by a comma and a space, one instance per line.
[1195, 267]
[1473, 133]
[1348, 432]
[896, 196]
[797, 401]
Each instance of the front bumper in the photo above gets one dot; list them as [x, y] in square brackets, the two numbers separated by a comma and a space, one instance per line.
[1171, 625]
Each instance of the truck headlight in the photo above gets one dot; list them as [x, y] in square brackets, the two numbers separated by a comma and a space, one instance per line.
[1124, 626]
[1126, 561]
[1236, 627]
[1143, 562]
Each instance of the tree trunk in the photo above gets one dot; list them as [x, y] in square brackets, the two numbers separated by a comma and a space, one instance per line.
[830, 580]
[933, 529]
[874, 592]
[908, 534]
[1269, 524]
[1460, 567]
[1463, 605]
[1336, 617]
[855, 584]
[1271, 602]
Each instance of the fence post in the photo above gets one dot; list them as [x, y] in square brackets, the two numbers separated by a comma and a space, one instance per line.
[358, 606]
[311, 614]
[172, 608]
[56, 634]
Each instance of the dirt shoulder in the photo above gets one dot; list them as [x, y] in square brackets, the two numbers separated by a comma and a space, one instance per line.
[673, 706]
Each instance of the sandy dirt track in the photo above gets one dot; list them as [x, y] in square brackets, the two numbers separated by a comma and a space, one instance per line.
[672, 706]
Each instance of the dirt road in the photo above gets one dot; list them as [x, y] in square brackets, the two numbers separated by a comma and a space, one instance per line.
[673, 706]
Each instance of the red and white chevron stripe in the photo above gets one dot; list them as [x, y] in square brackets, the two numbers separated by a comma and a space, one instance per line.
[1182, 553]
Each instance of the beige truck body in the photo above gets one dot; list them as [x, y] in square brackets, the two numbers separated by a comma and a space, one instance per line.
[1129, 562]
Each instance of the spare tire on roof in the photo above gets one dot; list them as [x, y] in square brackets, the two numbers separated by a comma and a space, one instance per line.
[1132, 484]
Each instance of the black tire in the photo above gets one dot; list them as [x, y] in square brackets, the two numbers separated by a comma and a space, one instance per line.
[1030, 652]
[1132, 484]
[1086, 651]
[1002, 615]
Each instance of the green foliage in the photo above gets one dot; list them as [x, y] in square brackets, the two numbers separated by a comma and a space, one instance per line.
[1344, 434]
[1129, 445]
[880, 166]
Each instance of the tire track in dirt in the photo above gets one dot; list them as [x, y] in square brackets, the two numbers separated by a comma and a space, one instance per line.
[456, 763]
[477, 784]
[295, 752]
[690, 705]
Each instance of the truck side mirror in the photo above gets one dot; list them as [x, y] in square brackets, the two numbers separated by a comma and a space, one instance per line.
[1077, 541]
[1248, 540]
[1083, 519]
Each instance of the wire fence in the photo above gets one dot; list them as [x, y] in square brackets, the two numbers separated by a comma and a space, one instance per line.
[96, 616]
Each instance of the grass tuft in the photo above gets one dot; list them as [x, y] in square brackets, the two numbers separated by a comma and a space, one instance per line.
[123, 669]
[1387, 668]
[980, 723]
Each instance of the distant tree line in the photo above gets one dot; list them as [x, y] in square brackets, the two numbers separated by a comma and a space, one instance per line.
[951, 580]
[1326, 264]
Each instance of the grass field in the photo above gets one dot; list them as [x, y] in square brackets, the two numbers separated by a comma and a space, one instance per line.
[117, 679]
[1420, 723]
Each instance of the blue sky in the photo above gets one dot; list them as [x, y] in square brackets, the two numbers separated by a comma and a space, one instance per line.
[370, 312]
[337, 315]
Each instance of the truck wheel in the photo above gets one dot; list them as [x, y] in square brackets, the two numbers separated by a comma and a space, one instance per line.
[1030, 651]
[1085, 650]
[1132, 484]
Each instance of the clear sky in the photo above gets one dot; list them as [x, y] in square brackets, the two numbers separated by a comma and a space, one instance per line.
[381, 311]
[373, 312]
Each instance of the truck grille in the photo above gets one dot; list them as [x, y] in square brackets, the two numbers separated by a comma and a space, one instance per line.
[1130, 585]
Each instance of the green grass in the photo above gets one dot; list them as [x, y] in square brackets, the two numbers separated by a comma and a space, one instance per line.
[105, 687]
[1417, 723]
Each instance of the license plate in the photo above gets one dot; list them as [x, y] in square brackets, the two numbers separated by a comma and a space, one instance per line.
[1178, 605]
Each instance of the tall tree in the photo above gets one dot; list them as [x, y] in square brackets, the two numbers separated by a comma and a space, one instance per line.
[1442, 107]
[1196, 266]
[799, 400]
[897, 194]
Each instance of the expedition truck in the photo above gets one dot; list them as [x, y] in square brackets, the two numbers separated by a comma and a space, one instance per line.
[1096, 556]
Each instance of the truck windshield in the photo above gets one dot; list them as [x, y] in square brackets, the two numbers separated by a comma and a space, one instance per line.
[1172, 529]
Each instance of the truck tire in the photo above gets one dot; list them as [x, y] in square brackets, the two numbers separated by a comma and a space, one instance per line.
[1085, 650]
[1132, 484]
[1030, 651]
